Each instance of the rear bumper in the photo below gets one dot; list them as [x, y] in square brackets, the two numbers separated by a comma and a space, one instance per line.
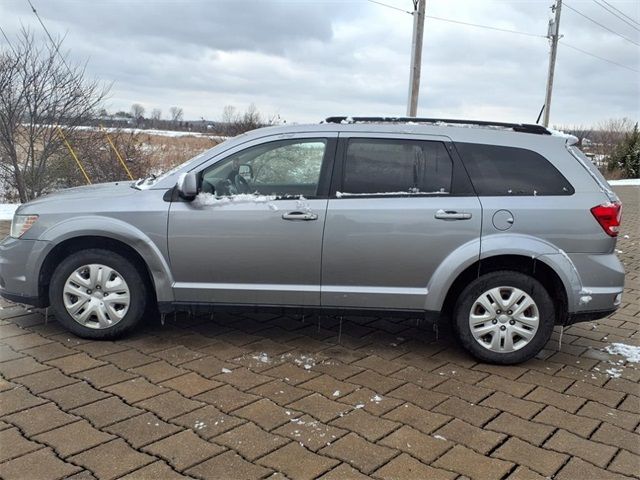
[588, 316]
[601, 285]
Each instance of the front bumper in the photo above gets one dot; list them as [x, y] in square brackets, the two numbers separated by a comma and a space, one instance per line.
[19, 270]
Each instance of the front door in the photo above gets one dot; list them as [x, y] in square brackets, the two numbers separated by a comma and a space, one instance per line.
[399, 208]
[253, 235]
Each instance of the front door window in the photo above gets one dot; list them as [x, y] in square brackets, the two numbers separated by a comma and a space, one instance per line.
[289, 168]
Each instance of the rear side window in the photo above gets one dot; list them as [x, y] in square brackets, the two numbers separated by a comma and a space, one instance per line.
[497, 171]
[387, 167]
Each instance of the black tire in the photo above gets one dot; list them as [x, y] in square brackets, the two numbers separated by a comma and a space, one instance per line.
[475, 289]
[138, 292]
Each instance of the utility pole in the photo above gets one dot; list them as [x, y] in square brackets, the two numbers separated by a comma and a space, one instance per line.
[553, 35]
[416, 57]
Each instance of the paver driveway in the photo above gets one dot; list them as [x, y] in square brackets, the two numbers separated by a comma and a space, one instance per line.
[258, 395]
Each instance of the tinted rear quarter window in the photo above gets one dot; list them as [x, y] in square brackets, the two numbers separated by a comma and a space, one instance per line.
[381, 166]
[501, 171]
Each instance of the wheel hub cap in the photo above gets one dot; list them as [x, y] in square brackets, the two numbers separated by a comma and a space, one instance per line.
[504, 319]
[96, 296]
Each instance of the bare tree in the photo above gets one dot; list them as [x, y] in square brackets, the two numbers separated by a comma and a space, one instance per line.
[156, 116]
[137, 112]
[607, 137]
[101, 161]
[229, 114]
[38, 91]
[235, 122]
[175, 113]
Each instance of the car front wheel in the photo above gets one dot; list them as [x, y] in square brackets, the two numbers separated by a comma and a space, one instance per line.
[97, 294]
[504, 317]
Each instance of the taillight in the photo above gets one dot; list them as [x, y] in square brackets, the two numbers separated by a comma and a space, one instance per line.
[608, 216]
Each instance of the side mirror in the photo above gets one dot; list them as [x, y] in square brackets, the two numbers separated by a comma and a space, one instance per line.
[188, 185]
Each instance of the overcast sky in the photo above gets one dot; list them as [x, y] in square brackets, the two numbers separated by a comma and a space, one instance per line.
[308, 59]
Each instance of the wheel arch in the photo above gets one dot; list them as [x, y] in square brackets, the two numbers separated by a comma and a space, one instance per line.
[83, 233]
[533, 266]
[67, 247]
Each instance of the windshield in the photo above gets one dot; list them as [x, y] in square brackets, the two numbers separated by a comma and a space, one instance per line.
[152, 179]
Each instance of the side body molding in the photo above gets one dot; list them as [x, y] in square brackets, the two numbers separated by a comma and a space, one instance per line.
[115, 229]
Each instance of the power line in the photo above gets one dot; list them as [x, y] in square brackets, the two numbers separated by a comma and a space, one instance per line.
[459, 22]
[488, 27]
[599, 57]
[53, 42]
[8, 41]
[616, 15]
[518, 33]
[390, 6]
[621, 12]
[601, 25]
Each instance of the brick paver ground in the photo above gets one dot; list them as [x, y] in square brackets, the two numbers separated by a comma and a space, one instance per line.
[251, 396]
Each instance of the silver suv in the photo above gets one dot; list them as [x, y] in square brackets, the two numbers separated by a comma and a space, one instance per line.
[505, 229]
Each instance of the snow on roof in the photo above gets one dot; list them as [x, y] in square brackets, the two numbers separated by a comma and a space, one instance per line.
[571, 139]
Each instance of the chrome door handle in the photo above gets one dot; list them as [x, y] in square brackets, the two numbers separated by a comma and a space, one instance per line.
[304, 216]
[451, 215]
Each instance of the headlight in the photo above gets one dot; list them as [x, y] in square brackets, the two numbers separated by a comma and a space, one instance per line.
[21, 223]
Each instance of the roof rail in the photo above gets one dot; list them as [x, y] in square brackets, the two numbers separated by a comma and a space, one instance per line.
[516, 127]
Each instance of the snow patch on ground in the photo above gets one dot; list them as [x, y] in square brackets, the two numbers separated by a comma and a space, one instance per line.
[262, 357]
[614, 372]
[149, 131]
[630, 352]
[7, 210]
[625, 181]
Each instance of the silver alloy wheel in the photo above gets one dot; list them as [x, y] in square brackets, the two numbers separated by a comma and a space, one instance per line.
[504, 319]
[96, 296]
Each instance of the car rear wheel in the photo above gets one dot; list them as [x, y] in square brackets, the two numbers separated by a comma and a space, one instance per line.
[97, 294]
[504, 317]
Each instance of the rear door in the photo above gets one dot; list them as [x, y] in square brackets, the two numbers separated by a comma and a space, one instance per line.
[399, 207]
